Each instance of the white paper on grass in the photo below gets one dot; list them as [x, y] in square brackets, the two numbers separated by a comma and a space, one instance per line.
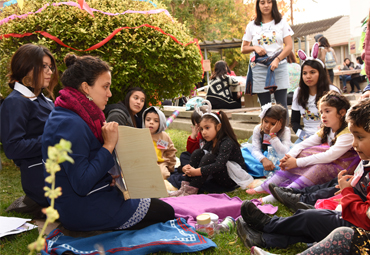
[14, 225]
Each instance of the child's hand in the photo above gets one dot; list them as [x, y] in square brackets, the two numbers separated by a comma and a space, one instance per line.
[113, 183]
[194, 131]
[191, 171]
[276, 128]
[344, 180]
[267, 164]
[289, 163]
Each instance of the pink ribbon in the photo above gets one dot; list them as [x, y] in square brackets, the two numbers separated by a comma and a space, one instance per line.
[23, 16]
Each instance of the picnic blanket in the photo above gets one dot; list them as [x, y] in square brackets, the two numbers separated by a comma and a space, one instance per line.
[174, 236]
[189, 207]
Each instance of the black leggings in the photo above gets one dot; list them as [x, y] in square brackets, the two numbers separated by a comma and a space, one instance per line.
[159, 211]
[198, 159]
[280, 97]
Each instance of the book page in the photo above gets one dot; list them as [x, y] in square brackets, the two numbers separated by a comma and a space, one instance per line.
[138, 161]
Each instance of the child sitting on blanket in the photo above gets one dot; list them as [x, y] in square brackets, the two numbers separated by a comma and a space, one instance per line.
[309, 226]
[272, 131]
[195, 139]
[320, 157]
[220, 148]
[155, 120]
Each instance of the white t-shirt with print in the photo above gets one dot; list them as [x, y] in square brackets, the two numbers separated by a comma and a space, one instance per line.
[311, 117]
[269, 36]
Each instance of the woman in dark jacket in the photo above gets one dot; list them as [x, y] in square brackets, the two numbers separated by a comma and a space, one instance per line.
[22, 118]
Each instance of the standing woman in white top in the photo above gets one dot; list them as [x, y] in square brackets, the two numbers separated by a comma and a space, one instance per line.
[267, 35]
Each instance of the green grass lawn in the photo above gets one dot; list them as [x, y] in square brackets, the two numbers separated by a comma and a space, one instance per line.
[10, 189]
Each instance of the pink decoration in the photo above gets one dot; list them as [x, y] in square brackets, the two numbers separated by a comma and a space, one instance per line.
[315, 50]
[172, 117]
[23, 16]
[302, 55]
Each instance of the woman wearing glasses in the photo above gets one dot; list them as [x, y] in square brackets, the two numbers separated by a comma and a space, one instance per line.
[22, 118]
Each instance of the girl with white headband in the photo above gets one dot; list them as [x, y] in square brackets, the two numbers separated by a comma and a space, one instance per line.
[271, 132]
[221, 147]
[314, 83]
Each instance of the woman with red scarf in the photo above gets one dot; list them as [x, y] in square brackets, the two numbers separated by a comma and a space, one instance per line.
[90, 201]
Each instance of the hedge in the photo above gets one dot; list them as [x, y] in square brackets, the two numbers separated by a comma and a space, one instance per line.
[141, 57]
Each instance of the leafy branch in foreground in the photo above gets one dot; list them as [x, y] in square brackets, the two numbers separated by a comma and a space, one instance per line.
[56, 155]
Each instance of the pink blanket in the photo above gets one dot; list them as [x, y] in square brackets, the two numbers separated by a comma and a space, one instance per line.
[189, 207]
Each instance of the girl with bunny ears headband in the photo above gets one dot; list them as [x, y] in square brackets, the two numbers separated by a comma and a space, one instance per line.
[314, 54]
[313, 84]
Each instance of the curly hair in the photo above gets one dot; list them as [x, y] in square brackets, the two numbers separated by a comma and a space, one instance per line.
[82, 69]
[334, 99]
[359, 115]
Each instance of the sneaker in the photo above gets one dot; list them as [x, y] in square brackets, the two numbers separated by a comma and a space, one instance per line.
[253, 216]
[249, 236]
[288, 199]
[359, 92]
[24, 204]
[272, 187]
[304, 206]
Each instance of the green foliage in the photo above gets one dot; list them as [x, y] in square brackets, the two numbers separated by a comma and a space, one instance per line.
[140, 57]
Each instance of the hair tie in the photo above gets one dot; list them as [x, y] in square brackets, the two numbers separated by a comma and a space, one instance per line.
[314, 54]
[264, 110]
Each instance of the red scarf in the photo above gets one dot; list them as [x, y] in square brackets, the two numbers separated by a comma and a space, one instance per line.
[74, 100]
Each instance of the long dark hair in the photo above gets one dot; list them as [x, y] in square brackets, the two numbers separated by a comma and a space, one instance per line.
[322, 83]
[276, 15]
[277, 112]
[291, 58]
[334, 99]
[127, 102]
[220, 69]
[324, 42]
[225, 130]
[359, 59]
[29, 57]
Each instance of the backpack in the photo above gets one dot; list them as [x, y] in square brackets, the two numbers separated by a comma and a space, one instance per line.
[330, 60]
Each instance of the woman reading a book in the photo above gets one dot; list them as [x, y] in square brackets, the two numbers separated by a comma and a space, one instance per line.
[90, 201]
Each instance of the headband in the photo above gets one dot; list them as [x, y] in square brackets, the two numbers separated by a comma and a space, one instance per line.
[314, 54]
[264, 110]
[208, 109]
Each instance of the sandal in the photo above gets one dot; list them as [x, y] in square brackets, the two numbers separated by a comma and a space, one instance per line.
[253, 192]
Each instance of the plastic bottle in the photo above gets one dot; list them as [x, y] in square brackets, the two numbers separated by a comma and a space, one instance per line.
[214, 219]
[227, 225]
[205, 226]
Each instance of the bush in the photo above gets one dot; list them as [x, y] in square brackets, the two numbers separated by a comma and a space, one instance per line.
[140, 57]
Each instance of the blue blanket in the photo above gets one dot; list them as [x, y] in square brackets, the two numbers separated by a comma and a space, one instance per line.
[174, 236]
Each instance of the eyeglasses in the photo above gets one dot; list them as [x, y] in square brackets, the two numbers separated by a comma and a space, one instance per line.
[47, 68]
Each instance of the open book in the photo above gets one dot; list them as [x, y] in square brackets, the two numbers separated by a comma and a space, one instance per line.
[137, 165]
